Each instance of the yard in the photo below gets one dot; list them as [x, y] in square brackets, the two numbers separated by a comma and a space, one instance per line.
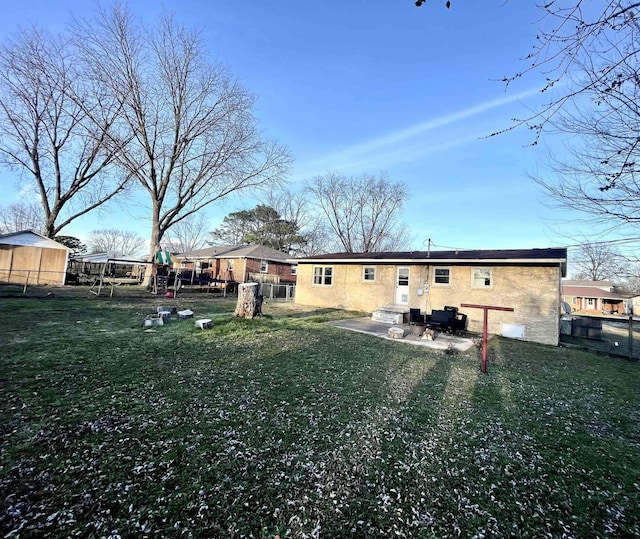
[287, 426]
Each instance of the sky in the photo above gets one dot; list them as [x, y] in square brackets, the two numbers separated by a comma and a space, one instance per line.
[370, 86]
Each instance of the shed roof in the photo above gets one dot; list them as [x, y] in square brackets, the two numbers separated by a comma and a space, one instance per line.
[101, 258]
[29, 238]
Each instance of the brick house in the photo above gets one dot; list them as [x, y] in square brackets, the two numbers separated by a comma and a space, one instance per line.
[527, 280]
[593, 297]
[238, 264]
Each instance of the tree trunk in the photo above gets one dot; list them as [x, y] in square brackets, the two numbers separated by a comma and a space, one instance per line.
[249, 301]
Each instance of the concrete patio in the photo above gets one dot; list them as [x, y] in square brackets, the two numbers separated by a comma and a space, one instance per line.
[442, 341]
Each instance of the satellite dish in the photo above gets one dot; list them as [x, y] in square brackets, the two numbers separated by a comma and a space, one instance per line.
[566, 307]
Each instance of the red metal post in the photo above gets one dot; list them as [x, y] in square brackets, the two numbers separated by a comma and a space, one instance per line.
[485, 326]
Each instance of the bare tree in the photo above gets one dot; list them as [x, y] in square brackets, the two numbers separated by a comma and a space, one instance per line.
[187, 235]
[191, 132]
[363, 213]
[598, 174]
[45, 133]
[589, 55]
[119, 242]
[21, 216]
[298, 208]
[596, 262]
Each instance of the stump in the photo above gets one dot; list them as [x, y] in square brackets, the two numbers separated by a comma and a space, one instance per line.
[249, 301]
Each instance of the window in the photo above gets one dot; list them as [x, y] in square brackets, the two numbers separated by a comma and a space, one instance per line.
[323, 275]
[294, 270]
[230, 265]
[442, 276]
[481, 278]
[369, 274]
[591, 303]
[263, 266]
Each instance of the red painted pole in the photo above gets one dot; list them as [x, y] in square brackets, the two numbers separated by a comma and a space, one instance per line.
[485, 338]
[485, 326]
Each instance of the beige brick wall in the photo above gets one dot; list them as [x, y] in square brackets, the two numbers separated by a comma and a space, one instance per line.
[534, 293]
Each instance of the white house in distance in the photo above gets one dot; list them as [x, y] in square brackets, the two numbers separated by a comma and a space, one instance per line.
[27, 257]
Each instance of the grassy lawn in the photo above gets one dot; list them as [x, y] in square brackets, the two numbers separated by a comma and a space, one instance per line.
[287, 426]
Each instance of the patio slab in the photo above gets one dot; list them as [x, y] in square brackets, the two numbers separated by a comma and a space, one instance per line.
[380, 329]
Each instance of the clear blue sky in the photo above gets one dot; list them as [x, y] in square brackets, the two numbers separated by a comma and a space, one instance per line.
[377, 85]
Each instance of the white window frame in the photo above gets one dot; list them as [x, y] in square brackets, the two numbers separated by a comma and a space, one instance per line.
[436, 283]
[264, 266]
[591, 303]
[322, 276]
[294, 270]
[230, 264]
[475, 284]
[364, 274]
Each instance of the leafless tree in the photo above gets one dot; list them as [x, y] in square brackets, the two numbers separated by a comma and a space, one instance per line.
[363, 213]
[191, 134]
[118, 242]
[598, 173]
[187, 235]
[296, 207]
[589, 55]
[21, 216]
[595, 261]
[45, 133]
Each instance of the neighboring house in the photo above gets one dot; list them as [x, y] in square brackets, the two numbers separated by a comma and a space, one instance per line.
[593, 297]
[238, 263]
[28, 257]
[527, 280]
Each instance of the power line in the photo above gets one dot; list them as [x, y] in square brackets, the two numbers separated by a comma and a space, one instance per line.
[620, 241]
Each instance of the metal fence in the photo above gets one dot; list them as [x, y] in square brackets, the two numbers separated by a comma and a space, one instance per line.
[282, 292]
[613, 336]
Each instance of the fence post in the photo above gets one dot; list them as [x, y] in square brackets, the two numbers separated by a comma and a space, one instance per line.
[26, 282]
[630, 336]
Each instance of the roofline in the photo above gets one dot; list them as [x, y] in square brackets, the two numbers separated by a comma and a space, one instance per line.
[62, 245]
[431, 261]
[237, 257]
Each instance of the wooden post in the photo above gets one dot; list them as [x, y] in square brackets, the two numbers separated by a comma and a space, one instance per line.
[630, 336]
[26, 282]
[249, 303]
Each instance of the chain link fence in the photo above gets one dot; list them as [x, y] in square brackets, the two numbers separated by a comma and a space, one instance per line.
[280, 292]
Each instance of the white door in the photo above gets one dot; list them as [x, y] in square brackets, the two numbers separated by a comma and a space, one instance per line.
[402, 286]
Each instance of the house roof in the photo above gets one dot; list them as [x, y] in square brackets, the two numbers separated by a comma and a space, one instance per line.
[585, 282]
[29, 238]
[235, 251]
[590, 292]
[513, 256]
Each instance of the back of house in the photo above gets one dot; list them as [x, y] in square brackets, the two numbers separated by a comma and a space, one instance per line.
[527, 280]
